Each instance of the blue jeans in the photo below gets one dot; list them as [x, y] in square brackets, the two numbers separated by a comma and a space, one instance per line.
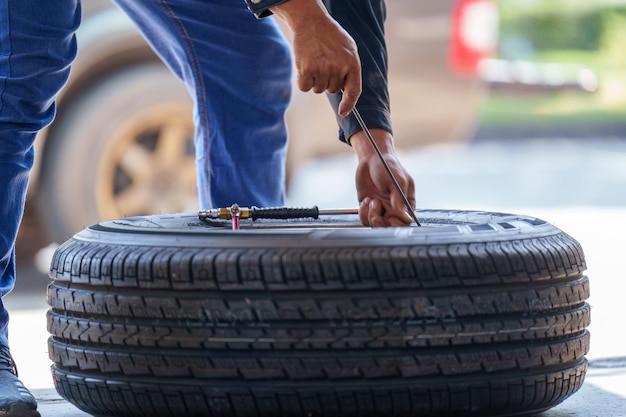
[37, 46]
[238, 70]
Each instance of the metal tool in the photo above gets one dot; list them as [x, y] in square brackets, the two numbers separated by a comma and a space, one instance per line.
[359, 119]
[254, 213]
[235, 213]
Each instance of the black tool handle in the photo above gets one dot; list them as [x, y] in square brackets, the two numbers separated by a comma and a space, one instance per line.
[284, 212]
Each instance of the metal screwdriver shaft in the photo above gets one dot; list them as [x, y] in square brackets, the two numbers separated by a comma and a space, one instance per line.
[359, 119]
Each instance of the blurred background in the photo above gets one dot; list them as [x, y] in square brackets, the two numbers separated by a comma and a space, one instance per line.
[509, 105]
[587, 39]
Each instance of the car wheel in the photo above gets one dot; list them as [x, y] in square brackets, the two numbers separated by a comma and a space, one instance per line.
[473, 313]
[123, 148]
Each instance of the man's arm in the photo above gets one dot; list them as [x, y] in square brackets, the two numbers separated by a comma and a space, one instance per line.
[380, 203]
[327, 60]
[326, 57]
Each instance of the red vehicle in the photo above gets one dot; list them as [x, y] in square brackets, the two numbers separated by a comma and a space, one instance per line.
[122, 141]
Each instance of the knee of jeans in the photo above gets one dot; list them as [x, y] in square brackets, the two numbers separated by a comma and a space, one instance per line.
[35, 66]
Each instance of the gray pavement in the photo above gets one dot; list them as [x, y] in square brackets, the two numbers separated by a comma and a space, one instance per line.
[579, 185]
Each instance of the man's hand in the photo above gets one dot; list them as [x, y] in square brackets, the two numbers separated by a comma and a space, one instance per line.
[326, 56]
[380, 203]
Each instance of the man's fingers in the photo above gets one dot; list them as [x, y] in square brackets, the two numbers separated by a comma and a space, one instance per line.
[400, 210]
[305, 81]
[332, 82]
[335, 84]
[371, 213]
[364, 211]
[321, 84]
[351, 93]
[375, 215]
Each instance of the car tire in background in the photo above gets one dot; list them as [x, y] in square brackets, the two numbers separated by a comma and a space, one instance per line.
[123, 148]
[472, 314]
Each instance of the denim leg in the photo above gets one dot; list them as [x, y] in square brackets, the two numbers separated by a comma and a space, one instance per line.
[364, 21]
[37, 45]
[238, 72]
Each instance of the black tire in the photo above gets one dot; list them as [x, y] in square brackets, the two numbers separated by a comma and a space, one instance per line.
[472, 314]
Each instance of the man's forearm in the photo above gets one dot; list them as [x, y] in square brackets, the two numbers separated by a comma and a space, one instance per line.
[298, 13]
[364, 20]
[325, 55]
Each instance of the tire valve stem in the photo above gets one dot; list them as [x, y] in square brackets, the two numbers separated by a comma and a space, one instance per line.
[235, 213]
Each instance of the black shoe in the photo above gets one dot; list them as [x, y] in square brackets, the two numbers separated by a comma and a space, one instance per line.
[15, 399]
